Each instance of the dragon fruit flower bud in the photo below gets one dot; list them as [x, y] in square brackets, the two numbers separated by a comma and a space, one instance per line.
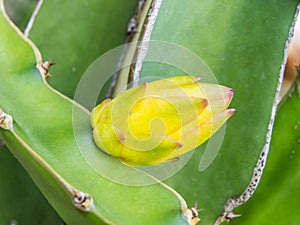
[160, 120]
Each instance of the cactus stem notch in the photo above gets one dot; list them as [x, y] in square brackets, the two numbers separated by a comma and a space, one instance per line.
[44, 68]
[6, 121]
[191, 214]
[83, 201]
[228, 215]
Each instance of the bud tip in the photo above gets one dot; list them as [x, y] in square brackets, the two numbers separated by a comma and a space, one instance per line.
[230, 112]
[196, 78]
[179, 145]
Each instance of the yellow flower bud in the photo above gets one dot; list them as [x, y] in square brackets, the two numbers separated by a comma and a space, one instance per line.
[160, 120]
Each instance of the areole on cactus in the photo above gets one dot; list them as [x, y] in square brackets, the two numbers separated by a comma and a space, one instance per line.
[160, 120]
